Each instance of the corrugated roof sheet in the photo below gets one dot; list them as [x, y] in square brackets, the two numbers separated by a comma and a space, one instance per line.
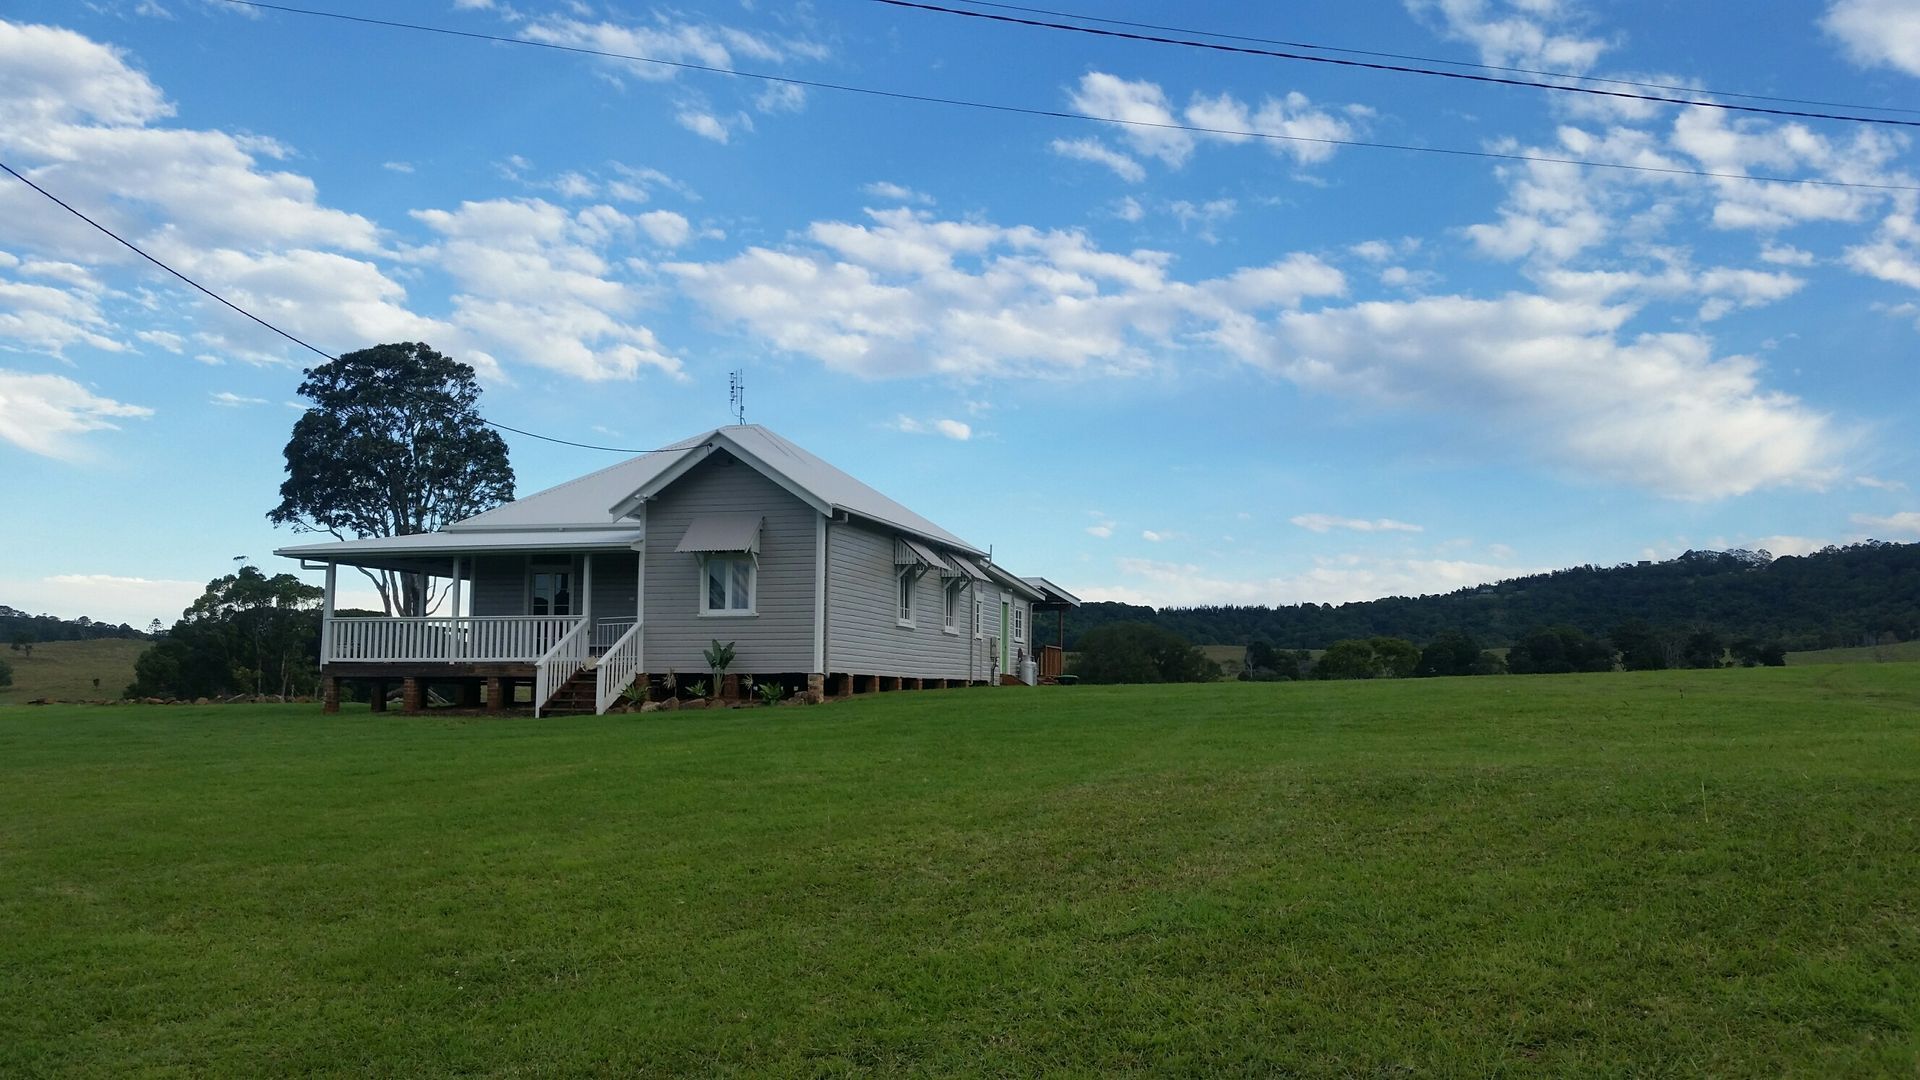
[452, 543]
[592, 498]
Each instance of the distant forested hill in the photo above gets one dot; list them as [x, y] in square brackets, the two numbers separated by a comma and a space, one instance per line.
[1839, 596]
[14, 623]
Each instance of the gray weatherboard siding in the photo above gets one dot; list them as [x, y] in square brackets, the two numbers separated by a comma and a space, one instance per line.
[863, 632]
[780, 637]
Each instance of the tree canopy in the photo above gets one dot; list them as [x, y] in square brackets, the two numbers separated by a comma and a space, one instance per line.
[1137, 653]
[248, 633]
[392, 445]
[1839, 596]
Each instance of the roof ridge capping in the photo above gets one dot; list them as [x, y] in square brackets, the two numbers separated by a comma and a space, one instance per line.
[808, 476]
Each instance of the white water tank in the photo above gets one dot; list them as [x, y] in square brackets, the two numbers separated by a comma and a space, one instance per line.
[1029, 672]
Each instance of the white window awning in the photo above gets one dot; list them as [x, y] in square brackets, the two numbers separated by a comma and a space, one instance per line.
[722, 532]
[909, 552]
[964, 567]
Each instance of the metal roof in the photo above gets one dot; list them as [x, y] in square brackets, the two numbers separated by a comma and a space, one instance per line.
[1054, 593]
[613, 493]
[407, 552]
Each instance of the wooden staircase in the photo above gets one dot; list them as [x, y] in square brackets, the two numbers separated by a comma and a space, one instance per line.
[576, 697]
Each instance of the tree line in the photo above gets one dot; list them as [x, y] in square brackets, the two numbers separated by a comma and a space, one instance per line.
[1143, 653]
[19, 628]
[1864, 593]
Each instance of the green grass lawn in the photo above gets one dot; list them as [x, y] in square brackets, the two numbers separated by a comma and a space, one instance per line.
[65, 670]
[1677, 873]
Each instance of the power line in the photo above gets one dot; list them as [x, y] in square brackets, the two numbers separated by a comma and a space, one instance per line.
[1061, 114]
[1436, 60]
[237, 309]
[1375, 65]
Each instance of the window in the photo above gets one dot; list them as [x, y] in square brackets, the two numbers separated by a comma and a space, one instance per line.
[726, 585]
[552, 590]
[979, 617]
[952, 623]
[1019, 622]
[907, 581]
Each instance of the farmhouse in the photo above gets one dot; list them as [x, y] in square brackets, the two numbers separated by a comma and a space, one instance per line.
[625, 576]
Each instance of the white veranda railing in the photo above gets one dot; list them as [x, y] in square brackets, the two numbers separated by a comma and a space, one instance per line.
[608, 632]
[618, 665]
[468, 638]
[568, 656]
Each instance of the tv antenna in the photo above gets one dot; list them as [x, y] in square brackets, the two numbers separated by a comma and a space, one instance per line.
[737, 395]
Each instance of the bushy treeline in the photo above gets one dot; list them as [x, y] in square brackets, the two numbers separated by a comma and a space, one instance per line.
[1142, 653]
[247, 634]
[17, 626]
[1840, 596]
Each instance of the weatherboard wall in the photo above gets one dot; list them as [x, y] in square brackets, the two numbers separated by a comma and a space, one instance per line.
[778, 637]
[864, 635]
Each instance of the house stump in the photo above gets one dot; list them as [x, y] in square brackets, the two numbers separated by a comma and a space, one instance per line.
[413, 695]
[330, 694]
[377, 695]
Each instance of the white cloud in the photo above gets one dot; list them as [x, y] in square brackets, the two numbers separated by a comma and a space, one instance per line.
[1879, 484]
[1202, 217]
[665, 227]
[1111, 97]
[108, 598]
[1785, 255]
[232, 400]
[892, 192]
[957, 430]
[1326, 522]
[1092, 150]
[166, 339]
[1103, 526]
[907, 294]
[1335, 580]
[1128, 208]
[781, 97]
[1289, 125]
[664, 38]
[1659, 411]
[1787, 545]
[47, 414]
[1516, 33]
[704, 124]
[535, 281]
[1884, 33]
[397, 166]
[1905, 523]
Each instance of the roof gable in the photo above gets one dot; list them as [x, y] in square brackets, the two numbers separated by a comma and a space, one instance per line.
[613, 493]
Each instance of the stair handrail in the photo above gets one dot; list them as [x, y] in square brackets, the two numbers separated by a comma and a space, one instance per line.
[560, 663]
[618, 665]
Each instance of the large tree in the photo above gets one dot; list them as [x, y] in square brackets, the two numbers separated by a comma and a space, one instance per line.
[392, 445]
[248, 633]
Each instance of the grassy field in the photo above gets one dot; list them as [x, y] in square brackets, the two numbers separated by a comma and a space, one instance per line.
[1900, 652]
[65, 670]
[1677, 873]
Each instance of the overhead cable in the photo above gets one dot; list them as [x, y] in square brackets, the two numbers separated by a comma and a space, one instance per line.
[1375, 65]
[303, 343]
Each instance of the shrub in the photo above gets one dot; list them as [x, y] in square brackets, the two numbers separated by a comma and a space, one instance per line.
[1139, 653]
[1455, 653]
[6, 673]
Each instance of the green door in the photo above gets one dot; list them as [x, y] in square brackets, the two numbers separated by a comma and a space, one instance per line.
[1006, 619]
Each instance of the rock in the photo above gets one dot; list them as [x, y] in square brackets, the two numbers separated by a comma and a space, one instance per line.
[696, 703]
[40, 701]
[651, 706]
[201, 701]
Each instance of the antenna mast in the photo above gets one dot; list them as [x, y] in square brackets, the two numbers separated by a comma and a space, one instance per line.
[737, 395]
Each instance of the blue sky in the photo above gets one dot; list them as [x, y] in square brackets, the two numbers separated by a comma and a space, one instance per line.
[1155, 365]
